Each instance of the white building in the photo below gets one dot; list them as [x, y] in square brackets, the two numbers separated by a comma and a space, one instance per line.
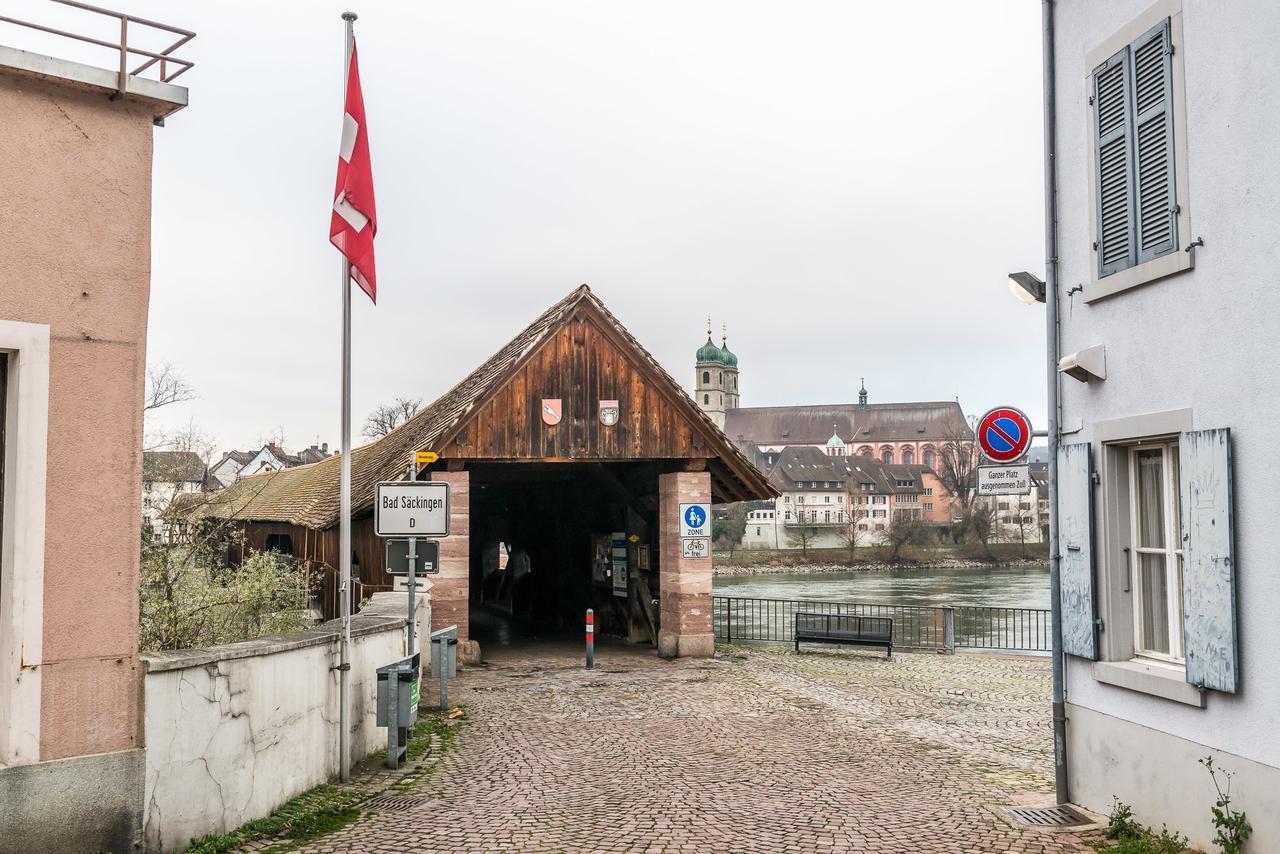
[166, 475]
[270, 457]
[1167, 119]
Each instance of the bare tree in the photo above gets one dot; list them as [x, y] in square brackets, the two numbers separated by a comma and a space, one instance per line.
[959, 466]
[389, 416]
[801, 535]
[909, 528]
[848, 531]
[165, 386]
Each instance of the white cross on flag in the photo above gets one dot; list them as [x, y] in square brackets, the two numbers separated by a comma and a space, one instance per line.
[355, 221]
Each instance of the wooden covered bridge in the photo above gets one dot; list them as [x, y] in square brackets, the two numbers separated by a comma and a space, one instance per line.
[571, 435]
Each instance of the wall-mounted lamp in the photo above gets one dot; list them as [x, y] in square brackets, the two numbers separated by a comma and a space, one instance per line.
[1026, 287]
[1085, 365]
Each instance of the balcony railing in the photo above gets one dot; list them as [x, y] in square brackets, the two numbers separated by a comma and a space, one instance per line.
[163, 63]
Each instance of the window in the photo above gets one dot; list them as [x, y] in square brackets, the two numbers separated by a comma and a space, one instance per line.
[886, 456]
[720, 377]
[930, 458]
[799, 499]
[706, 398]
[1132, 101]
[826, 516]
[757, 534]
[706, 377]
[928, 506]
[826, 499]
[839, 499]
[928, 490]
[1157, 551]
[908, 456]
[786, 499]
[1139, 213]
[787, 518]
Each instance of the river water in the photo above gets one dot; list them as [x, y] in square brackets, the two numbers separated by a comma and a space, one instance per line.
[996, 586]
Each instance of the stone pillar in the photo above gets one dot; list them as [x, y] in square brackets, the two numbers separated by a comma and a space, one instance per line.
[449, 591]
[686, 583]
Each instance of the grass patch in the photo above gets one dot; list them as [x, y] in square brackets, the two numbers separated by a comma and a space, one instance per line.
[311, 815]
[431, 725]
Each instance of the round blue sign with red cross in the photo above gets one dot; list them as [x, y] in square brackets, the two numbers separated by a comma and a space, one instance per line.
[1004, 434]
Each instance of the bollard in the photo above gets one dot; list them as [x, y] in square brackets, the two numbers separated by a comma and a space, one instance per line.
[949, 629]
[591, 638]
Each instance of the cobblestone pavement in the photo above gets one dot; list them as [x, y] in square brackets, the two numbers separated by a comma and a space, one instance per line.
[756, 750]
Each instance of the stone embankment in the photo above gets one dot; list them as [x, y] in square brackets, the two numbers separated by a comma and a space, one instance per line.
[730, 569]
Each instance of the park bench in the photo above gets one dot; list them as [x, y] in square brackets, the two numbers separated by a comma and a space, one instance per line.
[845, 628]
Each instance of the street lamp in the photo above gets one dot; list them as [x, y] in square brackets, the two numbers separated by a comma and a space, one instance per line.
[1026, 287]
[1032, 290]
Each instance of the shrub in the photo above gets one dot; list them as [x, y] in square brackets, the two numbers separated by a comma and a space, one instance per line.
[187, 600]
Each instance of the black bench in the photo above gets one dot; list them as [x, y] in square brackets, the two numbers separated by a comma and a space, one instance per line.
[845, 628]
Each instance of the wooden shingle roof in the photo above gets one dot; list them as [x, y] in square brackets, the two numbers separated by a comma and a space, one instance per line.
[309, 495]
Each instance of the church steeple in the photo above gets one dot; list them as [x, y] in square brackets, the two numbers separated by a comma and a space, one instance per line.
[862, 393]
[716, 376]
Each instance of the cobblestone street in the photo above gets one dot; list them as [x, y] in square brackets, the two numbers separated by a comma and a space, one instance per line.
[757, 750]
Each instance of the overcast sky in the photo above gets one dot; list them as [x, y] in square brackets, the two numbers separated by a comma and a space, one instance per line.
[845, 185]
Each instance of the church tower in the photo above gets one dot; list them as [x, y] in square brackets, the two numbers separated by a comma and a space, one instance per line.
[716, 378]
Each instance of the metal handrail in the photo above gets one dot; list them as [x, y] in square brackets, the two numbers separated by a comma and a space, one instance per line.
[914, 626]
[164, 57]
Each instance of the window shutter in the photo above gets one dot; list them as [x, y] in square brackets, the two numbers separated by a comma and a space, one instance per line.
[1208, 560]
[1114, 188]
[1155, 203]
[1075, 543]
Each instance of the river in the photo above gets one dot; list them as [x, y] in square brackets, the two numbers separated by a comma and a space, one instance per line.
[997, 586]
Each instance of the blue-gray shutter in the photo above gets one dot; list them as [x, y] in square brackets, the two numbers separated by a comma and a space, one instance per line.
[1209, 631]
[1154, 196]
[1113, 124]
[1075, 543]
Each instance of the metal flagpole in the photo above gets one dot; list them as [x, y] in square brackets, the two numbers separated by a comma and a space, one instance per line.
[344, 522]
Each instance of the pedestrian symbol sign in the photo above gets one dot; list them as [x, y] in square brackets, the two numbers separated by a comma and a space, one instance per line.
[1004, 434]
[695, 520]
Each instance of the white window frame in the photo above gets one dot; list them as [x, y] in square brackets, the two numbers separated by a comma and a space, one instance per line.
[1171, 551]
[25, 346]
[1183, 258]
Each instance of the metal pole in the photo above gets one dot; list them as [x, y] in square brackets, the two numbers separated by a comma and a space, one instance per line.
[344, 521]
[413, 590]
[1051, 344]
[591, 639]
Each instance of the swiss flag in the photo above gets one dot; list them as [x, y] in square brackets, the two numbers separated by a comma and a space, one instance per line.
[355, 221]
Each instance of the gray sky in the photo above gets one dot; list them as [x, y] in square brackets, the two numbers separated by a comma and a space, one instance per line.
[844, 184]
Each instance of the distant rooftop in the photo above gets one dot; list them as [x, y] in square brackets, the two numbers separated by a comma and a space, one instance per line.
[97, 49]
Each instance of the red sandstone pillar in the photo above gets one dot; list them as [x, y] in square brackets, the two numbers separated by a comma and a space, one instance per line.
[449, 591]
[686, 583]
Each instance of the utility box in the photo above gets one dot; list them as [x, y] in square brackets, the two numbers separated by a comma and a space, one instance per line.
[404, 675]
[444, 652]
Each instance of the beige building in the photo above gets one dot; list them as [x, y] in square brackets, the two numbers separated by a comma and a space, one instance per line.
[75, 258]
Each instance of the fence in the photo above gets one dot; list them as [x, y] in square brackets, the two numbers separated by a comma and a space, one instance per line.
[914, 626]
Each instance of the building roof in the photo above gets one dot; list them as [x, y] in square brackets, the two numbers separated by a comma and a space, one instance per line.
[172, 467]
[308, 495]
[709, 353]
[876, 422]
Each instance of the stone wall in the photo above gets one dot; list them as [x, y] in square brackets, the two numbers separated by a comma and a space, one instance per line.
[234, 731]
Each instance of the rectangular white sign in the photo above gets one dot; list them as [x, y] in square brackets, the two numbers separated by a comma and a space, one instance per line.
[695, 520]
[697, 548]
[618, 558]
[1004, 480]
[411, 508]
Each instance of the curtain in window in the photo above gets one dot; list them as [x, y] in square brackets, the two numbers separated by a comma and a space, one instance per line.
[1153, 583]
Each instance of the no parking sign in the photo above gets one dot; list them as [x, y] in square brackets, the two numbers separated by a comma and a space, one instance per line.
[1004, 434]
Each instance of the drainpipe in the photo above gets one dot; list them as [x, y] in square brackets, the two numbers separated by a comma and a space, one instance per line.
[1051, 345]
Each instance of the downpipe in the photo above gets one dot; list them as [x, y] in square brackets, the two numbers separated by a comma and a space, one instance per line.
[1061, 788]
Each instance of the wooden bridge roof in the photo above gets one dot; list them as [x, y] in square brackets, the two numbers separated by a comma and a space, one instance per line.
[677, 429]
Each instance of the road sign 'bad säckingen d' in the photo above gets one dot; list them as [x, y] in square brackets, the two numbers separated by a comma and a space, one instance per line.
[411, 508]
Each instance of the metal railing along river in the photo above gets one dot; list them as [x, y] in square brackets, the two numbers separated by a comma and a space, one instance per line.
[914, 626]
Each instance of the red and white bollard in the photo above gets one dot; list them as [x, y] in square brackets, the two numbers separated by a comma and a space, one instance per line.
[591, 638]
